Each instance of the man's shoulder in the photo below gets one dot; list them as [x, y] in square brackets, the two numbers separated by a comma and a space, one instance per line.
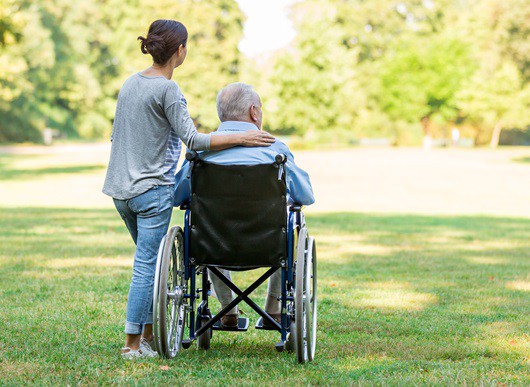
[280, 146]
[247, 155]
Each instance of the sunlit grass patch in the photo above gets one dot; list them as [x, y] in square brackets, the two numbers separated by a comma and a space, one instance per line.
[394, 299]
[519, 285]
[31, 167]
[489, 260]
[90, 262]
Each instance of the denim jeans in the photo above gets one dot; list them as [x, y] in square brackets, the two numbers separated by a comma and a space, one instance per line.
[147, 218]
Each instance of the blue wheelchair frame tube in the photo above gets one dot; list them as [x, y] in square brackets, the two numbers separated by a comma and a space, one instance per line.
[287, 274]
[189, 272]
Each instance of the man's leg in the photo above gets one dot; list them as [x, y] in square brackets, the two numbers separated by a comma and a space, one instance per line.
[272, 303]
[225, 296]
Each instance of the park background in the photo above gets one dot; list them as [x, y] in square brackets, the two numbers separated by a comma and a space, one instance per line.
[424, 259]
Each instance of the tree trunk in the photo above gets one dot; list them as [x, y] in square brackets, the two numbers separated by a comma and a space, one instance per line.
[496, 135]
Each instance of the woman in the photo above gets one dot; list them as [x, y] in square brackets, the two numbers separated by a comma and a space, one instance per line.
[151, 119]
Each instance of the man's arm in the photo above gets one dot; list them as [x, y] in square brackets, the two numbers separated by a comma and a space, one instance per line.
[182, 185]
[298, 184]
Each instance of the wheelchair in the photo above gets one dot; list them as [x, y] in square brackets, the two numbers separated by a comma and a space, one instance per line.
[237, 219]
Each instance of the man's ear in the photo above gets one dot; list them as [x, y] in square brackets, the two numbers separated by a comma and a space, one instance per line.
[252, 112]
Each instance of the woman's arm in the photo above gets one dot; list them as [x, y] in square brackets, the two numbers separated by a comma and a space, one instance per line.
[248, 138]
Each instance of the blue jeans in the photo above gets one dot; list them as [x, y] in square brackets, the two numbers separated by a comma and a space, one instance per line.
[147, 218]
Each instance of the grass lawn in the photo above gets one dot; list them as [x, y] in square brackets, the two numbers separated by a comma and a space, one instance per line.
[403, 300]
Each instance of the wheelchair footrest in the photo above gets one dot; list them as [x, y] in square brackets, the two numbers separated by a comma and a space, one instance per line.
[242, 326]
[259, 325]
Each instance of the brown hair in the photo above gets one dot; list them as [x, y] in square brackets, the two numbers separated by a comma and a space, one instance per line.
[163, 40]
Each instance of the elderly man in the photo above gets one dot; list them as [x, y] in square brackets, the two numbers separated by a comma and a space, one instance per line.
[239, 109]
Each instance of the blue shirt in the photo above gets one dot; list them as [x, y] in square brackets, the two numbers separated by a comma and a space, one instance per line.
[298, 185]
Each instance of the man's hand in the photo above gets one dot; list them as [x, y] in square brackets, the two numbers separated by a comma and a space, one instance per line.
[256, 138]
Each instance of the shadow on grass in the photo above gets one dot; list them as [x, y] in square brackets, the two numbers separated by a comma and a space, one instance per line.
[30, 174]
[438, 292]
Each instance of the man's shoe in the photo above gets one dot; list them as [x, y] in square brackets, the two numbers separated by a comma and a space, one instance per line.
[230, 320]
[276, 317]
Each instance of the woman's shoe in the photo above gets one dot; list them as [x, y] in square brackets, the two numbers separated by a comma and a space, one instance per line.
[147, 349]
[144, 351]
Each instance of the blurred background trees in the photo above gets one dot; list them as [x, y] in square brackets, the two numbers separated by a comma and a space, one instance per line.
[379, 68]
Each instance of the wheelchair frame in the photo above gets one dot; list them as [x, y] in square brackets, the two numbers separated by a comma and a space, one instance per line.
[176, 293]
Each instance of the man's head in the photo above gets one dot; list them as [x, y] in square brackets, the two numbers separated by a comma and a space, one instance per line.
[239, 102]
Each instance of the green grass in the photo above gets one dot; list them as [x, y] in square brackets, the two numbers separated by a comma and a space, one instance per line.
[403, 300]
[15, 167]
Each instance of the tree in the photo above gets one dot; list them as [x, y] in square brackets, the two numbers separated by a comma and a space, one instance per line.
[420, 82]
[62, 62]
[496, 96]
[313, 84]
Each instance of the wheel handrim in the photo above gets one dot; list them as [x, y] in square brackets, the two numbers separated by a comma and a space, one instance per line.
[301, 299]
[311, 278]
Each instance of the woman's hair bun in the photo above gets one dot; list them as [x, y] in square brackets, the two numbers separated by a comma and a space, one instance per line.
[163, 40]
[153, 44]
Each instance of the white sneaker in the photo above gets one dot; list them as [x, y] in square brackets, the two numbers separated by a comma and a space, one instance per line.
[131, 353]
[145, 347]
[144, 351]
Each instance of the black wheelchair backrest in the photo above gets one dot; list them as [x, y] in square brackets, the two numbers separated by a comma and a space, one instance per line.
[238, 215]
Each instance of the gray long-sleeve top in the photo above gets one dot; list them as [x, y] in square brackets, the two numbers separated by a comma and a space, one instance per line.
[148, 109]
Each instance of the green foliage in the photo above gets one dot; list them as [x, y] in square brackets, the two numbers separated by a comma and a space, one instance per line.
[421, 78]
[378, 68]
[62, 62]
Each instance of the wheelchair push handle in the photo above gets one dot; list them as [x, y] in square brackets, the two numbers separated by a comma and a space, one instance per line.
[191, 155]
[280, 158]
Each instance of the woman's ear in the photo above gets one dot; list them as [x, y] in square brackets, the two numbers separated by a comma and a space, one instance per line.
[181, 50]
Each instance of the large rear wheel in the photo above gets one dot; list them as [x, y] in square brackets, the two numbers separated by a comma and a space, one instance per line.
[170, 312]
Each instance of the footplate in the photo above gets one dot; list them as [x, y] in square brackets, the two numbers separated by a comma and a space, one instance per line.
[242, 326]
[259, 325]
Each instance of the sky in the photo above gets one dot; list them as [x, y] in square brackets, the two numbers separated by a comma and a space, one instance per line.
[267, 27]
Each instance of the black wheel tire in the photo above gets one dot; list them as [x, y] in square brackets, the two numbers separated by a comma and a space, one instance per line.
[203, 341]
[290, 344]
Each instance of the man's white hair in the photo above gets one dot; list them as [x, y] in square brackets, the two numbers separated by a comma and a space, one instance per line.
[234, 100]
